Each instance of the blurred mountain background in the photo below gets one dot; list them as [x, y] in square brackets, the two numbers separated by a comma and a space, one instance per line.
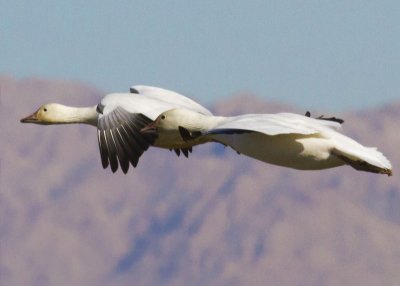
[217, 218]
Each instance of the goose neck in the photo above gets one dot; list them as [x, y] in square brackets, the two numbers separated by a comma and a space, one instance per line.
[70, 115]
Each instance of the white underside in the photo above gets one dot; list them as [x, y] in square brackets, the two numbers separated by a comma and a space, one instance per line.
[304, 152]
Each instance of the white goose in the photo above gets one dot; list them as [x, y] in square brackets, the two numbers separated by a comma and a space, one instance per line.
[119, 117]
[283, 139]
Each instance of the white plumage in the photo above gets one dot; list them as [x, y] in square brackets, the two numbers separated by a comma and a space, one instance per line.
[119, 117]
[283, 139]
[128, 123]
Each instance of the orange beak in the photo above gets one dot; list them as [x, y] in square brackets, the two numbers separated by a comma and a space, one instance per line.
[151, 128]
[31, 118]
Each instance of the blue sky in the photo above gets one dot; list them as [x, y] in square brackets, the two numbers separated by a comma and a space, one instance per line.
[332, 55]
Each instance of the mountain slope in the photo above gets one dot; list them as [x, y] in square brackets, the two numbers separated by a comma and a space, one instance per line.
[216, 218]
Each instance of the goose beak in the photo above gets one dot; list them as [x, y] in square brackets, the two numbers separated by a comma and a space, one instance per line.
[30, 119]
[151, 128]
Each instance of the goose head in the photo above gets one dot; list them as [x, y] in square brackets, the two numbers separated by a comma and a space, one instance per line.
[168, 121]
[171, 119]
[46, 114]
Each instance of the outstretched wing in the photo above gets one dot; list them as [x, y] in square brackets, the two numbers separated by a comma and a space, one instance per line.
[120, 140]
[171, 97]
[269, 124]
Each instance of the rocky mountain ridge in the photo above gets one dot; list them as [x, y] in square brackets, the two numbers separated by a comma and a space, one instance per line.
[216, 218]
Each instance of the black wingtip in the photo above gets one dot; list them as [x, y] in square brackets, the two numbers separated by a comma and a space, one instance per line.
[185, 152]
[100, 108]
[125, 169]
[334, 119]
[322, 117]
[133, 90]
[187, 135]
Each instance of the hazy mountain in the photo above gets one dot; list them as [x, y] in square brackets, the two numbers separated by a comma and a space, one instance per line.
[216, 218]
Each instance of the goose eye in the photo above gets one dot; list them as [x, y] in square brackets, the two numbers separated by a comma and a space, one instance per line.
[162, 116]
[45, 109]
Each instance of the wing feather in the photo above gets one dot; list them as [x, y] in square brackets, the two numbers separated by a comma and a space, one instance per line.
[120, 140]
[276, 124]
[103, 148]
[111, 145]
[119, 143]
[269, 124]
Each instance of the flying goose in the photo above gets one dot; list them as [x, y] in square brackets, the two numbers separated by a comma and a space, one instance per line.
[119, 117]
[283, 139]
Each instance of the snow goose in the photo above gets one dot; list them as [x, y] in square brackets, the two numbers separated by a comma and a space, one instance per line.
[119, 117]
[283, 139]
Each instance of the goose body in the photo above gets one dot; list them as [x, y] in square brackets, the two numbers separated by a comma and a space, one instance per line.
[284, 139]
[119, 117]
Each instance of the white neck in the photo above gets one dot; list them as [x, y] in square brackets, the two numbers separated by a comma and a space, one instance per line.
[69, 115]
[200, 122]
